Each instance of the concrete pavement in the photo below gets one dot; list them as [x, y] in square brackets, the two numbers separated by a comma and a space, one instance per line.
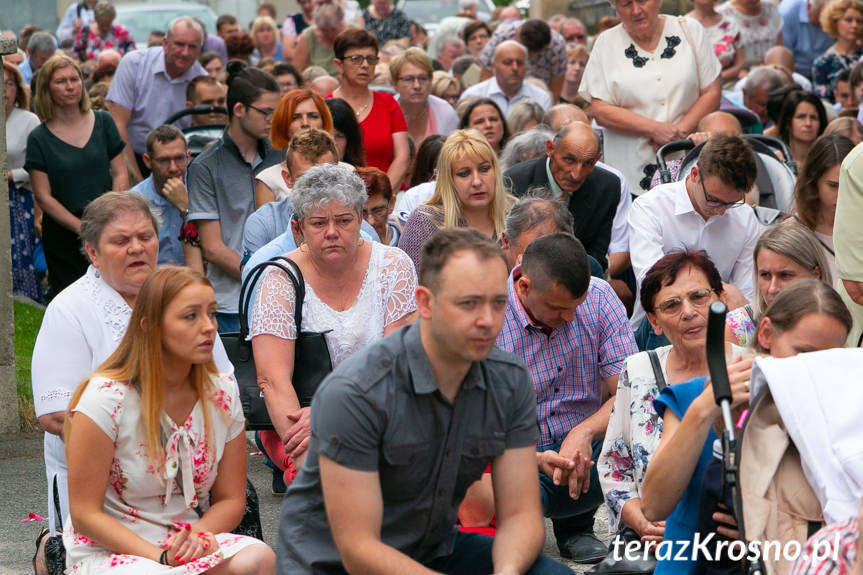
[23, 490]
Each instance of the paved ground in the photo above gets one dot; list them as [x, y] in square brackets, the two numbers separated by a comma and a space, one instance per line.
[23, 490]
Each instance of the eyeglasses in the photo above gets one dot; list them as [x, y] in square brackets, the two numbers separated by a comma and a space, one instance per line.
[715, 202]
[674, 305]
[180, 160]
[357, 60]
[378, 212]
[410, 80]
[266, 113]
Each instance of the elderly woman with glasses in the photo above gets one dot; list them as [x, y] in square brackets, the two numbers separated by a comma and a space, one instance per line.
[425, 114]
[385, 136]
[356, 291]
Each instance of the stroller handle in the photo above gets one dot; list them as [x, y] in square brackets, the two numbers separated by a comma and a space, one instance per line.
[716, 363]
[196, 110]
[670, 148]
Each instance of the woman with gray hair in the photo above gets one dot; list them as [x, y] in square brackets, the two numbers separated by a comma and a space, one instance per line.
[315, 44]
[524, 115]
[356, 292]
[525, 146]
[84, 324]
[102, 34]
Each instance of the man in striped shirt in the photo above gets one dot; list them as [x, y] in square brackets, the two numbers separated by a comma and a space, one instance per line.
[572, 332]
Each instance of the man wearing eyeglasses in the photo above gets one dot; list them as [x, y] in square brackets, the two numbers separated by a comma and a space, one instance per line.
[222, 184]
[167, 157]
[704, 211]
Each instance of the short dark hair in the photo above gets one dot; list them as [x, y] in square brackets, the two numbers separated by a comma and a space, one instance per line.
[464, 122]
[164, 134]
[789, 107]
[664, 273]
[283, 68]
[843, 76]
[354, 38]
[193, 85]
[531, 211]
[729, 158]
[471, 27]
[245, 84]
[557, 258]
[443, 244]
[225, 19]
[534, 35]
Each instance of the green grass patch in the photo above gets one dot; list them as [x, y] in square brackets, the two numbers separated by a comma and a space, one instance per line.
[27, 322]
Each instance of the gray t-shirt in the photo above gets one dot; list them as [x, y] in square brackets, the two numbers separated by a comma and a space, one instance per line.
[221, 187]
[381, 410]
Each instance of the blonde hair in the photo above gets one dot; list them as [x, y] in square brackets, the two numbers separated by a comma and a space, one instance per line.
[441, 81]
[831, 14]
[577, 51]
[413, 55]
[471, 144]
[138, 358]
[264, 22]
[42, 101]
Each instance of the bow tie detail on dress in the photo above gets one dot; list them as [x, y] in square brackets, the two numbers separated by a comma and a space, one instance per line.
[178, 459]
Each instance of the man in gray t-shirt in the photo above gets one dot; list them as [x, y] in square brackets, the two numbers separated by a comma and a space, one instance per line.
[401, 429]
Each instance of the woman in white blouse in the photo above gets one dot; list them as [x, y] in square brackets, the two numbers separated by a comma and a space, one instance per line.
[650, 80]
[356, 291]
[84, 324]
[19, 123]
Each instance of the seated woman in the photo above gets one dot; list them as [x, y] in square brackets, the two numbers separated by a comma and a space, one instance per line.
[156, 449]
[346, 132]
[469, 193]
[802, 119]
[379, 205]
[297, 110]
[784, 253]
[483, 114]
[676, 294]
[525, 115]
[84, 324]
[357, 291]
[806, 316]
[817, 190]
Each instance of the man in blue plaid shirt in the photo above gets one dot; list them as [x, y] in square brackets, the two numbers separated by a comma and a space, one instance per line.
[572, 332]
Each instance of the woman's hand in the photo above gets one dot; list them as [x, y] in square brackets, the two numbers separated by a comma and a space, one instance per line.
[665, 132]
[296, 439]
[185, 547]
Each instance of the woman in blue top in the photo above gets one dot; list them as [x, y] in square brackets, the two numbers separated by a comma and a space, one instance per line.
[806, 316]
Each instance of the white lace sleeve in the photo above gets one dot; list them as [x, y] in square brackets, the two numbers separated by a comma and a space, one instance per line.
[273, 312]
[398, 285]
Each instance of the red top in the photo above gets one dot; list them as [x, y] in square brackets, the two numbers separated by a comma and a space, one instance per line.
[384, 119]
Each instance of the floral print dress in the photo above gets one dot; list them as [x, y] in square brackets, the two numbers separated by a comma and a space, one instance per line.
[152, 503]
[633, 433]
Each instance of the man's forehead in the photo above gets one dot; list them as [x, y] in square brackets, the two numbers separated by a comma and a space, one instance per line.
[465, 263]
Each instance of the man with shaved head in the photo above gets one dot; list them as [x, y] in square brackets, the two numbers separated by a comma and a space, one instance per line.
[569, 169]
[507, 86]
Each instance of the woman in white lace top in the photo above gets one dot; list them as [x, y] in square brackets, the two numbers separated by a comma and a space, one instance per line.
[356, 291]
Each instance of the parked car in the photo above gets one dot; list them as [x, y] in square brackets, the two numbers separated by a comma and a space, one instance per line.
[141, 18]
[430, 12]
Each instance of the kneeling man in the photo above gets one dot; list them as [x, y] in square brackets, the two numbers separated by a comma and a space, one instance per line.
[402, 428]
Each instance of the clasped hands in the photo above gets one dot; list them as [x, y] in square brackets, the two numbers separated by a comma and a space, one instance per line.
[296, 438]
[183, 546]
[572, 464]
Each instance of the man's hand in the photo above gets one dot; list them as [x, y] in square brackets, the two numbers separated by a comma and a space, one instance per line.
[296, 439]
[175, 192]
[576, 447]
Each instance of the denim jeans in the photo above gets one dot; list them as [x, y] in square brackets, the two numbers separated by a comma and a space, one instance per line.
[570, 516]
[472, 555]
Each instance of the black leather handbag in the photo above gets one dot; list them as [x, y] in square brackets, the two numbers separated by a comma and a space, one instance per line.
[312, 360]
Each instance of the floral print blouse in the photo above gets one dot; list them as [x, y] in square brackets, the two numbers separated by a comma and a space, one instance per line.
[826, 67]
[633, 433]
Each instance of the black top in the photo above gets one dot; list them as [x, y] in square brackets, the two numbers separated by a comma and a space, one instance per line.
[593, 206]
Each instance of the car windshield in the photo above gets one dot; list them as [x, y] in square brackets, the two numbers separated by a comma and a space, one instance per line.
[141, 22]
[430, 10]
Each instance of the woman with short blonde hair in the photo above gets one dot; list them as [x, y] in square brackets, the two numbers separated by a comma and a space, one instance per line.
[469, 193]
[268, 40]
[426, 114]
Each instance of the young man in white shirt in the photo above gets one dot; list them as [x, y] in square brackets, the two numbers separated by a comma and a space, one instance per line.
[704, 211]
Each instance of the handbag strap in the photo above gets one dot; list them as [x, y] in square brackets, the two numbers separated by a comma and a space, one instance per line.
[658, 376]
[294, 276]
[682, 21]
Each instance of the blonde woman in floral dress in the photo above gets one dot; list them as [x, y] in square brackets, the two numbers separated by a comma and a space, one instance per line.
[156, 450]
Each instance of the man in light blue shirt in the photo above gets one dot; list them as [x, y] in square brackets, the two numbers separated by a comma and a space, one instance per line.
[78, 15]
[167, 156]
[150, 85]
[507, 86]
[40, 47]
[802, 33]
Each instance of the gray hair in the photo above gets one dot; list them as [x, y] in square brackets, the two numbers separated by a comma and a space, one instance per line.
[461, 64]
[463, 4]
[42, 42]
[105, 209]
[104, 10]
[188, 21]
[524, 146]
[764, 76]
[521, 113]
[796, 242]
[452, 41]
[531, 211]
[328, 16]
[327, 183]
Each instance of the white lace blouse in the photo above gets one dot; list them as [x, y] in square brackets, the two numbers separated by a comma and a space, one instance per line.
[386, 296]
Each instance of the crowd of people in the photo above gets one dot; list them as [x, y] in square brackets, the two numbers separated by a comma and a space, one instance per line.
[507, 232]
